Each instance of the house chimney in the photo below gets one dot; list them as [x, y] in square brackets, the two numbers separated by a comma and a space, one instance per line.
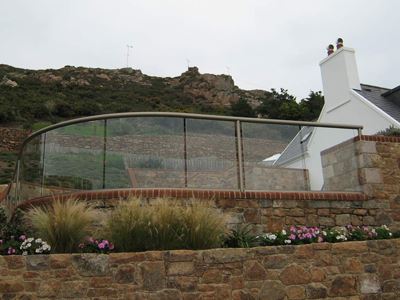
[339, 75]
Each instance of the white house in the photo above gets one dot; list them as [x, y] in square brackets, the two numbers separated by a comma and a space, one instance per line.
[347, 101]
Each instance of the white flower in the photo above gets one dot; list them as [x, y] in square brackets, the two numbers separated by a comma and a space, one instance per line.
[37, 250]
[324, 233]
[283, 231]
[30, 240]
[271, 237]
[38, 240]
[390, 234]
[25, 253]
[288, 241]
[29, 245]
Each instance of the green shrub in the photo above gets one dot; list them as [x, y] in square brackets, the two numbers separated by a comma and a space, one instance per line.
[164, 225]
[390, 131]
[63, 224]
[241, 237]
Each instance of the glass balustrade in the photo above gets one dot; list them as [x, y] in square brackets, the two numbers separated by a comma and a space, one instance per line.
[167, 150]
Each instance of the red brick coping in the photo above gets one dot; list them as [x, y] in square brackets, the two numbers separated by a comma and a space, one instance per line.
[199, 194]
[378, 138]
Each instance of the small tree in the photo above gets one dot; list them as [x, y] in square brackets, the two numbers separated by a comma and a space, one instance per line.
[242, 108]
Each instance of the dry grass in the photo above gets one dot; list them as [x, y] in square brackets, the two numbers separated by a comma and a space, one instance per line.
[63, 225]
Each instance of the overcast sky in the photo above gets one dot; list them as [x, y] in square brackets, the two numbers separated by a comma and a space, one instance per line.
[262, 44]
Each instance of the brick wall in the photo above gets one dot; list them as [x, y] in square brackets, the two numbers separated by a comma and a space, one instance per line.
[352, 270]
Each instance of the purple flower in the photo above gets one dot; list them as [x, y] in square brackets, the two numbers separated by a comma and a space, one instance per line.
[10, 251]
[292, 237]
[22, 238]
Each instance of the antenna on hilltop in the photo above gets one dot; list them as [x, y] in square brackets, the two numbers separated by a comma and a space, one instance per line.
[127, 54]
[188, 62]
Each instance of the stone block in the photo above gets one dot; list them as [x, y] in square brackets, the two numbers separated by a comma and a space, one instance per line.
[294, 274]
[153, 275]
[180, 268]
[369, 284]
[10, 286]
[37, 262]
[316, 291]
[253, 270]
[272, 290]
[125, 274]
[342, 219]
[60, 261]
[91, 264]
[295, 292]
[343, 285]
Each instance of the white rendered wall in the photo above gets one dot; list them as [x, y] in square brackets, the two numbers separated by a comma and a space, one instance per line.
[342, 106]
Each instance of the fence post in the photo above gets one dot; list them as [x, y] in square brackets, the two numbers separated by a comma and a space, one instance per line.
[240, 154]
[185, 152]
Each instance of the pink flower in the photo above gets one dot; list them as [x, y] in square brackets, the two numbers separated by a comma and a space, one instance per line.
[22, 238]
[101, 245]
[11, 251]
[320, 239]
[292, 237]
[81, 245]
[292, 229]
[111, 246]
[1, 242]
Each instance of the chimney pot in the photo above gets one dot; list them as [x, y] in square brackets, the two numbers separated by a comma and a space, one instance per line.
[330, 49]
[339, 43]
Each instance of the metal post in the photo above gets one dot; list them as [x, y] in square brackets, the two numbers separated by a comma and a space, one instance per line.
[17, 181]
[240, 154]
[104, 153]
[359, 131]
[185, 151]
[43, 164]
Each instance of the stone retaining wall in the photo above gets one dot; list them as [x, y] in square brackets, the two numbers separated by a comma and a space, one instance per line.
[266, 211]
[352, 270]
[11, 138]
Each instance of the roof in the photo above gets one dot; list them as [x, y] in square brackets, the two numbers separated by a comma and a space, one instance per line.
[376, 95]
[297, 147]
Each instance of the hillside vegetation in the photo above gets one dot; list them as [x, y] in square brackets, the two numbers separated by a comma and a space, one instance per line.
[33, 99]
[29, 97]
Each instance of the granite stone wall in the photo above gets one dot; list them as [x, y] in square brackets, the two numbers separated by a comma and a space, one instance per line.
[373, 170]
[347, 271]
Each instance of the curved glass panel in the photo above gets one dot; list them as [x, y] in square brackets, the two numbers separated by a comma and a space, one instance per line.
[167, 150]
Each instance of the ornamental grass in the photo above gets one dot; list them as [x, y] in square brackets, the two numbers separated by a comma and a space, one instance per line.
[63, 224]
[164, 225]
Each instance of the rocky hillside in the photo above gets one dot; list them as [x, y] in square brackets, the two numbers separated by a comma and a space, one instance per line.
[27, 96]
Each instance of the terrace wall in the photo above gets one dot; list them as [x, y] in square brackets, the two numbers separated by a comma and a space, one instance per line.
[351, 270]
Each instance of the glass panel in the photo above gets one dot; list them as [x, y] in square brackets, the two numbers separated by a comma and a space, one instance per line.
[31, 169]
[266, 149]
[145, 152]
[211, 154]
[74, 158]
